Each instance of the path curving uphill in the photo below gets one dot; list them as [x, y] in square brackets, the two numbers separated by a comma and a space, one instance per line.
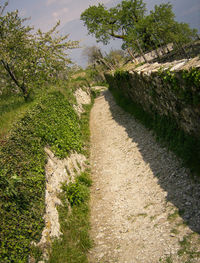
[144, 206]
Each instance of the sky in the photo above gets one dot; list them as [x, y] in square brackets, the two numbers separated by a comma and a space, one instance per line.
[45, 13]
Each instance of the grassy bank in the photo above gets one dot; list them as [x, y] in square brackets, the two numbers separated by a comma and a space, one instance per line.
[75, 242]
[166, 130]
[12, 108]
[52, 121]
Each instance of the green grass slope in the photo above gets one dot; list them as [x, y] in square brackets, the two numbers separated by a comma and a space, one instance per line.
[50, 121]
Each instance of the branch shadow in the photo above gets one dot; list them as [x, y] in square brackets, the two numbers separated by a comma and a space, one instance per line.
[182, 190]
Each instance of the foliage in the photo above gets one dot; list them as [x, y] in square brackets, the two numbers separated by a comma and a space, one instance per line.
[28, 59]
[76, 193]
[186, 87]
[50, 121]
[185, 146]
[93, 54]
[75, 241]
[128, 21]
[114, 22]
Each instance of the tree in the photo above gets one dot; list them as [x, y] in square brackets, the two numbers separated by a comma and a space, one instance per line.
[108, 61]
[129, 22]
[28, 57]
[93, 54]
[114, 22]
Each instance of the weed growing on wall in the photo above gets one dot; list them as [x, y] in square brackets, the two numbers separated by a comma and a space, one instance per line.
[185, 85]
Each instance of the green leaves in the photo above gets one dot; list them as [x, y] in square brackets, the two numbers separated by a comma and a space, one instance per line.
[127, 21]
[50, 121]
[27, 57]
[77, 193]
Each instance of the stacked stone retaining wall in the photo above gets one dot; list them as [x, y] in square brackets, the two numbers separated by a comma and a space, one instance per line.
[170, 89]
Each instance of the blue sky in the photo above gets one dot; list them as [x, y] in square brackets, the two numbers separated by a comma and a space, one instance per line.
[45, 13]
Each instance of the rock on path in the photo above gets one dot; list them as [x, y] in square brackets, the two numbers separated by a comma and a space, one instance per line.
[143, 203]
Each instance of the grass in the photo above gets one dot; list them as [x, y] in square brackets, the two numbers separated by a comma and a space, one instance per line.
[173, 216]
[12, 108]
[175, 231]
[188, 251]
[50, 120]
[142, 214]
[75, 242]
[152, 217]
[189, 247]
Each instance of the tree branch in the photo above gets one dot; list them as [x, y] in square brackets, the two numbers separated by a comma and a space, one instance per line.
[112, 34]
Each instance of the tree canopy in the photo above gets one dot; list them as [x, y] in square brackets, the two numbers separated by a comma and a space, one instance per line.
[130, 22]
[28, 57]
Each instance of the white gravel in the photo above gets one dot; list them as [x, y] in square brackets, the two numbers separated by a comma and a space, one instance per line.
[137, 192]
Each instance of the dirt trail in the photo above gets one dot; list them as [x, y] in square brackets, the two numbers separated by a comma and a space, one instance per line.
[144, 207]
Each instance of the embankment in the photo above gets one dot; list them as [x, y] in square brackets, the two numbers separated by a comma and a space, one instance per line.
[45, 148]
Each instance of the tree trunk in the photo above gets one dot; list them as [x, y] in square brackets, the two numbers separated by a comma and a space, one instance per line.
[131, 54]
[141, 51]
[22, 87]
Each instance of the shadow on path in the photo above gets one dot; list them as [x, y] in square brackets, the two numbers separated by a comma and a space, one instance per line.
[181, 189]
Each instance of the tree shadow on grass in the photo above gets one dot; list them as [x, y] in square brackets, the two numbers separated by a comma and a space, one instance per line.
[182, 190]
[12, 103]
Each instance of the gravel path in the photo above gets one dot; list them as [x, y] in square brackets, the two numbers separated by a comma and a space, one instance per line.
[144, 207]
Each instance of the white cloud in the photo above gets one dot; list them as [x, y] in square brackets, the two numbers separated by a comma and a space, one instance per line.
[22, 12]
[50, 2]
[60, 14]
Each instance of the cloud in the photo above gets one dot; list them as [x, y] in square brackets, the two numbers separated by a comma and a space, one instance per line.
[192, 10]
[22, 12]
[61, 15]
[60, 2]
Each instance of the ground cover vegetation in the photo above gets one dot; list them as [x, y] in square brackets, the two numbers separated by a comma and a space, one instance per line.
[139, 31]
[75, 242]
[36, 102]
[51, 121]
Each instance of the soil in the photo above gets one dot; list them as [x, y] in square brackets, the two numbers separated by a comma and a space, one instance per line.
[144, 204]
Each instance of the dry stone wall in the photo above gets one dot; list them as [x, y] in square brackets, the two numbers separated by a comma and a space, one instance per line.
[169, 89]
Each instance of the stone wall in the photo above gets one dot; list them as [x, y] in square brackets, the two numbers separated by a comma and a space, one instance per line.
[170, 89]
